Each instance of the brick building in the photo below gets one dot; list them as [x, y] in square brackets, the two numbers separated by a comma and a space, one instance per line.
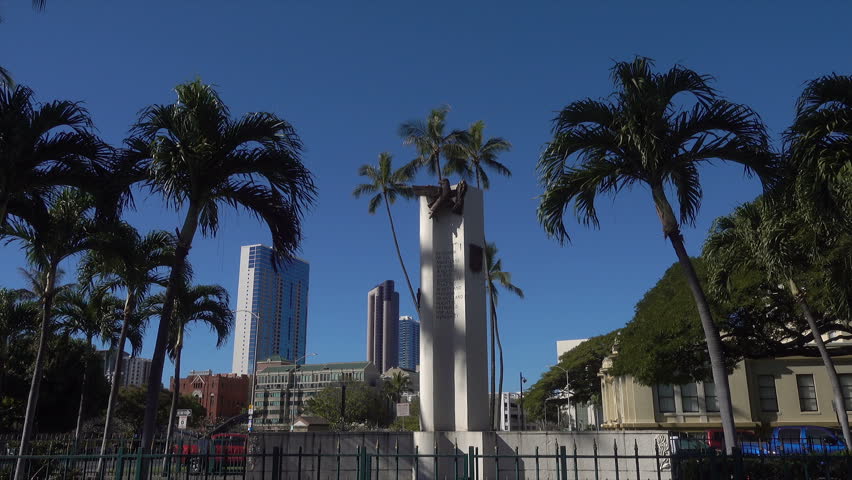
[223, 395]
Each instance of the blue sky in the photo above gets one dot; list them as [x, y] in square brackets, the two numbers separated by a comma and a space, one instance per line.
[346, 74]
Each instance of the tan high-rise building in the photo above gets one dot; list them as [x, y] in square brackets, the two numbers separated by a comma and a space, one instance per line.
[383, 326]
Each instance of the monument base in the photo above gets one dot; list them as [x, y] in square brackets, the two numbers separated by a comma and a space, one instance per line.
[451, 448]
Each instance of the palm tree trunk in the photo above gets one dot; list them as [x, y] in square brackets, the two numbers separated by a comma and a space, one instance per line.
[173, 409]
[4, 208]
[711, 333]
[149, 426]
[839, 403]
[82, 396]
[499, 344]
[35, 386]
[438, 166]
[492, 408]
[399, 255]
[129, 305]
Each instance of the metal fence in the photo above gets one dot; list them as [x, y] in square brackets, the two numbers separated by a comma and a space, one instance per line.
[370, 462]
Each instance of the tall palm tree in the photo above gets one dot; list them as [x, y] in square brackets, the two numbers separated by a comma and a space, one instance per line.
[470, 157]
[206, 304]
[200, 159]
[42, 146]
[429, 139]
[387, 184]
[58, 228]
[497, 277]
[18, 315]
[92, 313]
[121, 258]
[397, 385]
[820, 147]
[757, 238]
[642, 137]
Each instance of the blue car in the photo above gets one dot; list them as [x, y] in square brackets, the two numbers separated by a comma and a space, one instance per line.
[805, 440]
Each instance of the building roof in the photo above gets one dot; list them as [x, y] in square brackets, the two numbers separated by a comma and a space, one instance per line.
[310, 420]
[317, 367]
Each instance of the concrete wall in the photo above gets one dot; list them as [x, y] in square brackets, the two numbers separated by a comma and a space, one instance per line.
[526, 444]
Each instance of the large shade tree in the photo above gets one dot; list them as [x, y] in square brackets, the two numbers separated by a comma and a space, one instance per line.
[776, 241]
[60, 225]
[386, 185]
[643, 136]
[43, 145]
[200, 160]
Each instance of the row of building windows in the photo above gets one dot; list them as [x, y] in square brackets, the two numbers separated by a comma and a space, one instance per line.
[767, 395]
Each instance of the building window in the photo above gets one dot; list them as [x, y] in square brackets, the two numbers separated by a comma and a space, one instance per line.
[689, 397]
[665, 398]
[768, 396]
[846, 386]
[807, 393]
[711, 404]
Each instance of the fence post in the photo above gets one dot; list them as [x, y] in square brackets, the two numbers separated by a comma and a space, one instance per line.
[472, 459]
[276, 463]
[119, 464]
[615, 457]
[138, 474]
[563, 462]
[636, 456]
[738, 463]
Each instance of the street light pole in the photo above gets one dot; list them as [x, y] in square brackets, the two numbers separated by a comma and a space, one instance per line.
[567, 392]
[290, 402]
[254, 366]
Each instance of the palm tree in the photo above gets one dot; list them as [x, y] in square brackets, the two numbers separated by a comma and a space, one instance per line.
[200, 159]
[472, 154]
[56, 230]
[470, 157]
[123, 259]
[820, 147]
[42, 146]
[388, 184]
[756, 238]
[6, 79]
[398, 384]
[497, 277]
[93, 313]
[429, 139]
[18, 315]
[199, 303]
[641, 137]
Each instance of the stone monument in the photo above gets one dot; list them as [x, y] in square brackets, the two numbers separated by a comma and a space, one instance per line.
[453, 341]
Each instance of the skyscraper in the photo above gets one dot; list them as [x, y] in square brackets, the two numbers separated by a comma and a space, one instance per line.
[383, 326]
[409, 342]
[272, 304]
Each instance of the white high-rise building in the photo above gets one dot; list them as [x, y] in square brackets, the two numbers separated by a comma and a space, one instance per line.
[409, 343]
[272, 304]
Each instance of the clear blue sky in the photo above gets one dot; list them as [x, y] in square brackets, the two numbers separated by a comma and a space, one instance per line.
[346, 74]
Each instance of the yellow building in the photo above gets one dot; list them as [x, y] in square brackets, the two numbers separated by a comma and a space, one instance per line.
[775, 391]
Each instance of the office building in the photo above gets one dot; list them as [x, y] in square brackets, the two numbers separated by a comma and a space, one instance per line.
[272, 308]
[283, 388]
[409, 343]
[222, 395]
[134, 370]
[383, 326]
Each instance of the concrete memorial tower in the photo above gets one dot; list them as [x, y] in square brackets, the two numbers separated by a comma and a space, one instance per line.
[453, 341]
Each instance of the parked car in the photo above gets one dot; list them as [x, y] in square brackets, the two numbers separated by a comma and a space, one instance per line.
[805, 439]
[220, 451]
[749, 443]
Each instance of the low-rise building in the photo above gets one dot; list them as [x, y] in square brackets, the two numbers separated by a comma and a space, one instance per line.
[772, 391]
[134, 370]
[508, 413]
[283, 388]
[223, 395]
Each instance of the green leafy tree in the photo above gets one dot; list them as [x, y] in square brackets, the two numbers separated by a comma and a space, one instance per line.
[121, 258]
[497, 277]
[131, 404]
[55, 231]
[429, 139]
[94, 314]
[642, 137]
[364, 405]
[43, 146]
[387, 184]
[205, 304]
[200, 159]
[755, 237]
[18, 314]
